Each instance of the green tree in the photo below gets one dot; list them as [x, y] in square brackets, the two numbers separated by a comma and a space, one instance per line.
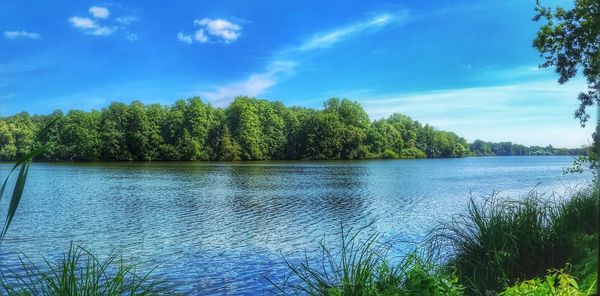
[79, 136]
[8, 147]
[137, 131]
[569, 40]
[226, 146]
[113, 128]
[244, 119]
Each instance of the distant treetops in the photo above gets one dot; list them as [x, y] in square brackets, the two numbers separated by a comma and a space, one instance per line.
[249, 129]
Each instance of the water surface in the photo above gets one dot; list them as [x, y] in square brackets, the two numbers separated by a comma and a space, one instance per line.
[216, 228]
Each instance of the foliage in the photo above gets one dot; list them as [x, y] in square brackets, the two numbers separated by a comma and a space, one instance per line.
[500, 242]
[249, 129]
[422, 277]
[389, 154]
[361, 268]
[79, 272]
[557, 282]
[568, 41]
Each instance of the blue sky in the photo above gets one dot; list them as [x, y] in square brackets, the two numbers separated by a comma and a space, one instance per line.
[464, 66]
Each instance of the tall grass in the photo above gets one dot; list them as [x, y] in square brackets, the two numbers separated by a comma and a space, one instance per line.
[500, 242]
[79, 272]
[361, 267]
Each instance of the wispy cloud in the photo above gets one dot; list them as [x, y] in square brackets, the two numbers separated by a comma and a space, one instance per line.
[330, 38]
[21, 34]
[131, 36]
[126, 20]
[254, 85]
[212, 30]
[530, 113]
[284, 62]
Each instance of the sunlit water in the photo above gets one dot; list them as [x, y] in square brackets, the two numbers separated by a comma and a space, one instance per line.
[218, 228]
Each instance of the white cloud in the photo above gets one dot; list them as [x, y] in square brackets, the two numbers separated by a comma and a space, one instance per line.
[220, 28]
[99, 25]
[200, 36]
[212, 30]
[90, 27]
[184, 38]
[330, 38]
[99, 12]
[21, 34]
[83, 22]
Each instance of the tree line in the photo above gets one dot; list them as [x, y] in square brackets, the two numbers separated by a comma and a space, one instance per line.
[482, 148]
[248, 129]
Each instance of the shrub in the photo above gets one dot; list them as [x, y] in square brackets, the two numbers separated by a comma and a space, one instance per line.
[411, 153]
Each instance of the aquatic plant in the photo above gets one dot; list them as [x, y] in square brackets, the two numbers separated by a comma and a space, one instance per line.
[79, 272]
[361, 267]
[499, 242]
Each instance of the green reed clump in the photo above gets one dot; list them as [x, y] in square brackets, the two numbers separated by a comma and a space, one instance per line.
[499, 242]
[362, 268]
[79, 272]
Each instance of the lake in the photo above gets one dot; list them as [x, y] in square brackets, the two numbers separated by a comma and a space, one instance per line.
[218, 228]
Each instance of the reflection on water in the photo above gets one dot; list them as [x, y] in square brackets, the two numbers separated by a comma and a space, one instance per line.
[218, 227]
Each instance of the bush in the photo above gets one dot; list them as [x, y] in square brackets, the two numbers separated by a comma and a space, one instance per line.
[411, 153]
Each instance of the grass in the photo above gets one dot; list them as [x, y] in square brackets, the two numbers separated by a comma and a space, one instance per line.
[500, 242]
[533, 245]
[362, 268]
[79, 272]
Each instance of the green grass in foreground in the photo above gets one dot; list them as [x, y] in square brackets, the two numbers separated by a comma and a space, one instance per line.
[361, 268]
[533, 246]
[79, 272]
